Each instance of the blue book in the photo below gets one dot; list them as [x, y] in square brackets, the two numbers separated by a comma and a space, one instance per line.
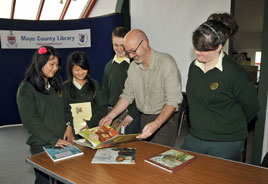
[58, 153]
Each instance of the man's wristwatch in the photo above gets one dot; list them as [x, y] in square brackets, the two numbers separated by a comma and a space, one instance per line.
[68, 123]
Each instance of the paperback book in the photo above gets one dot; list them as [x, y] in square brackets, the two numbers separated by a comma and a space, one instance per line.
[81, 112]
[115, 156]
[105, 136]
[58, 153]
[171, 160]
[117, 122]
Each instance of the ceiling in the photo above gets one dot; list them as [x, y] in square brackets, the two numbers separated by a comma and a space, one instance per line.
[45, 9]
[248, 13]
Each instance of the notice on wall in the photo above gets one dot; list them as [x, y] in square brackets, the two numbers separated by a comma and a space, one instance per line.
[15, 39]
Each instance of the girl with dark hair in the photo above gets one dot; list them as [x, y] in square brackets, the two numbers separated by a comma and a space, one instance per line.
[80, 87]
[40, 104]
[221, 94]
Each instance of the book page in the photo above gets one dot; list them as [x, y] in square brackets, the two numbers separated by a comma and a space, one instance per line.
[83, 142]
[80, 113]
[120, 139]
[105, 136]
[97, 135]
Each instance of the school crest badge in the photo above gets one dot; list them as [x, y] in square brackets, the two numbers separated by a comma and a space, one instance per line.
[214, 85]
[11, 39]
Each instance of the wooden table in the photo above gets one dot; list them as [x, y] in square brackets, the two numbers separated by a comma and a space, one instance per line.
[205, 169]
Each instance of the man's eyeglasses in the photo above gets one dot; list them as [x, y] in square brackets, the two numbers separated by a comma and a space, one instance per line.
[133, 51]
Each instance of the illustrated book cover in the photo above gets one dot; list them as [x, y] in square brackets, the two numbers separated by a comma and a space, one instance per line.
[80, 112]
[58, 153]
[117, 122]
[115, 156]
[171, 160]
[105, 136]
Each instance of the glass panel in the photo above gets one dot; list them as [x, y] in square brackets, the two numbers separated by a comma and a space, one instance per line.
[76, 9]
[26, 9]
[258, 57]
[5, 8]
[52, 9]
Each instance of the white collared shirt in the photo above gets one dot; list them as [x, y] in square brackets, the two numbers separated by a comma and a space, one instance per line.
[218, 64]
[47, 86]
[120, 60]
[76, 84]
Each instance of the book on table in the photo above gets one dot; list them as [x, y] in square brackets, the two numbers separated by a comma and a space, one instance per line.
[171, 160]
[59, 153]
[81, 112]
[115, 156]
[101, 137]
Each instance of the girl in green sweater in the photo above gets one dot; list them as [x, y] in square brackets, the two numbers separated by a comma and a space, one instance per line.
[80, 87]
[221, 94]
[40, 104]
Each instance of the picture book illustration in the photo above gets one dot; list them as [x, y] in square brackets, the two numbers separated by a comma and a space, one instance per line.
[171, 160]
[117, 122]
[115, 156]
[105, 136]
[80, 112]
[58, 153]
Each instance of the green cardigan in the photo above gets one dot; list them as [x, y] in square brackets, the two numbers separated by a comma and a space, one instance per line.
[113, 84]
[221, 103]
[98, 107]
[42, 115]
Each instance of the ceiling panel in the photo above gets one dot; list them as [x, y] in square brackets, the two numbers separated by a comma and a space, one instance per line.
[76, 9]
[26, 9]
[5, 8]
[52, 10]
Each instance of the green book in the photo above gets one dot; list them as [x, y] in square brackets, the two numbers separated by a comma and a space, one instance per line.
[171, 160]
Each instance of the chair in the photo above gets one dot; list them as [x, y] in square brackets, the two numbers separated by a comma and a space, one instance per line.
[249, 142]
[183, 111]
[265, 161]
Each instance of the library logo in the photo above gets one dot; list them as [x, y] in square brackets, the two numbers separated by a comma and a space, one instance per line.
[83, 39]
[11, 39]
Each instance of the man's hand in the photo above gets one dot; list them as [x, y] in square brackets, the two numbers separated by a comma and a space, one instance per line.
[151, 127]
[107, 120]
[148, 130]
[128, 119]
[120, 106]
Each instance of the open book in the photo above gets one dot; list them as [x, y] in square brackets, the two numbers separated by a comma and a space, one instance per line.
[58, 153]
[80, 112]
[101, 137]
[170, 160]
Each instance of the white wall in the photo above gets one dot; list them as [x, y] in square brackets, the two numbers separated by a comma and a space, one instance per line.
[169, 25]
[103, 7]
